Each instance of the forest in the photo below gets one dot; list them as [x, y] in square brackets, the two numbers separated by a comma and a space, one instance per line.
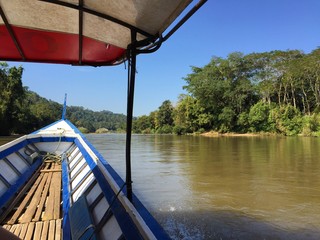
[23, 111]
[271, 92]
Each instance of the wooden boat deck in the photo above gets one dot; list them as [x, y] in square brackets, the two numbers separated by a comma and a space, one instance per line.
[36, 212]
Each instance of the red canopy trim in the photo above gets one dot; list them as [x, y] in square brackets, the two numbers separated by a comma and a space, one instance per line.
[55, 47]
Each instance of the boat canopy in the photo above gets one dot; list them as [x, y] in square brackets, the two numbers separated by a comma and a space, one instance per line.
[82, 32]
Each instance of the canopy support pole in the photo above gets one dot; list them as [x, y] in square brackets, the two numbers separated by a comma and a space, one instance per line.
[12, 34]
[132, 57]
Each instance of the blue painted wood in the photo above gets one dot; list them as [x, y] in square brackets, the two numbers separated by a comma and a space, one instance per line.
[10, 193]
[65, 198]
[12, 149]
[8, 185]
[154, 226]
[81, 223]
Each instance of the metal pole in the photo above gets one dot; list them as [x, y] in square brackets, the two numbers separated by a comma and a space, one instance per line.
[131, 81]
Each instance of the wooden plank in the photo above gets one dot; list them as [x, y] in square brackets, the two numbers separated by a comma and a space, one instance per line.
[46, 165]
[6, 226]
[45, 228]
[48, 214]
[29, 233]
[58, 229]
[57, 196]
[25, 201]
[20, 195]
[37, 232]
[57, 166]
[13, 228]
[30, 212]
[51, 229]
[54, 198]
[17, 230]
[50, 170]
[43, 198]
[23, 230]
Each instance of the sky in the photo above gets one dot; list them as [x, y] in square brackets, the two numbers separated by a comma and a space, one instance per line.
[219, 28]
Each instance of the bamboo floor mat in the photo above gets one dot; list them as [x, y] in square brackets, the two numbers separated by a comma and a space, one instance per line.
[38, 214]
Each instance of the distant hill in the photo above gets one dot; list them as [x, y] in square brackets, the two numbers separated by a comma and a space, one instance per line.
[36, 112]
[85, 119]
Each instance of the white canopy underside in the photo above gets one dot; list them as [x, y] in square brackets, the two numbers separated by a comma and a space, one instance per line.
[151, 16]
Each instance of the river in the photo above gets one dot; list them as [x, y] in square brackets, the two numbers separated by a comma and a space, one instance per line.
[224, 187]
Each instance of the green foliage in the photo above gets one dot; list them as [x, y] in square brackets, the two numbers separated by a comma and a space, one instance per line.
[11, 98]
[286, 120]
[165, 114]
[23, 111]
[276, 91]
[311, 124]
[95, 120]
[160, 121]
[142, 124]
[165, 129]
[258, 117]
[83, 130]
[226, 117]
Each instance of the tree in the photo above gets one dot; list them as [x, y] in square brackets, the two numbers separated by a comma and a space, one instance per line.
[223, 89]
[165, 115]
[142, 124]
[258, 117]
[11, 97]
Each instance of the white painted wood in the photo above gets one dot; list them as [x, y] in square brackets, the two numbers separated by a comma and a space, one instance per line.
[12, 143]
[78, 178]
[7, 172]
[99, 210]
[53, 147]
[72, 155]
[93, 194]
[16, 161]
[83, 187]
[74, 160]
[77, 167]
[111, 230]
[131, 210]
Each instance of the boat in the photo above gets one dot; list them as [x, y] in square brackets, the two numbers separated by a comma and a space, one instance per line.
[55, 165]
[53, 183]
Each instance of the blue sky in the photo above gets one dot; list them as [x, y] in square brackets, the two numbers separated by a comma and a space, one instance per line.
[217, 29]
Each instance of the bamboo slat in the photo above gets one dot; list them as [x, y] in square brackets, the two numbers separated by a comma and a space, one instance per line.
[45, 229]
[50, 170]
[23, 230]
[58, 229]
[37, 231]
[30, 212]
[43, 198]
[57, 195]
[25, 201]
[51, 230]
[17, 230]
[42, 202]
[29, 232]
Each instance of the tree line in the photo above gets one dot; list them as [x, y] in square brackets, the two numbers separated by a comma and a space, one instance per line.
[23, 111]
[274, 92]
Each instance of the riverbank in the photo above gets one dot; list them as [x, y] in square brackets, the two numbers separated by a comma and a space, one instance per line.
[217, 134]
